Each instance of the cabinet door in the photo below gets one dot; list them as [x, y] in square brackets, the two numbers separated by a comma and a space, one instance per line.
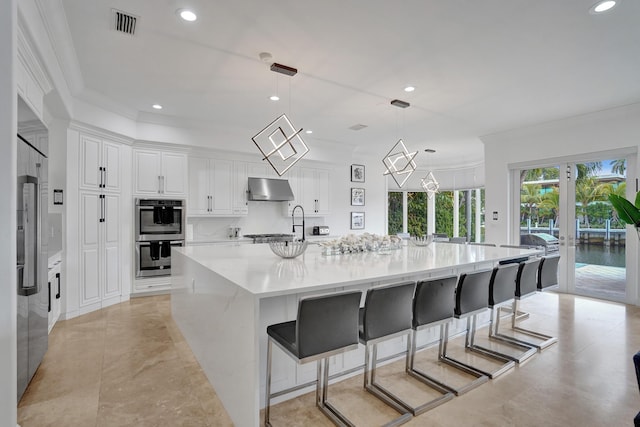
[111, 165]
[90, 214]
[174, 174]
[222, 186]
[111, 244]
[90, 152]
[199, 202]
[323, 186]
[147, 172]
[240, 203]
[308, 188]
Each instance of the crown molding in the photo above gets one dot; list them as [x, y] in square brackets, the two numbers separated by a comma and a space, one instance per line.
[100, 132]
[27, 55]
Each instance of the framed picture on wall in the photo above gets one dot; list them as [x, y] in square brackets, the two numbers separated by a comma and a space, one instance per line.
[357, 197]
[357, 220]
[357, 173]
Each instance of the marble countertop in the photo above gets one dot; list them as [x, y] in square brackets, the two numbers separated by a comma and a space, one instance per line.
[259, 271]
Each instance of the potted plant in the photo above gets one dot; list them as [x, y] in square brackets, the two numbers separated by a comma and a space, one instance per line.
[628, 212]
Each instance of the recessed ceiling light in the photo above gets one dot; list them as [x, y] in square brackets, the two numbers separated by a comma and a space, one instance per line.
[187, 15]
[602, 6]
[409, 88]
[309, 131]
[157, 106]
[274, 98]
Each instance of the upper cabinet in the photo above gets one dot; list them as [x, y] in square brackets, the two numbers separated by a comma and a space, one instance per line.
[99, 165]
[210, 187]
[314, 187]
[160, 173]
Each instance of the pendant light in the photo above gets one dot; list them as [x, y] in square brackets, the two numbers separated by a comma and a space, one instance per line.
[279, 142]
[429, 183]
[399, 162]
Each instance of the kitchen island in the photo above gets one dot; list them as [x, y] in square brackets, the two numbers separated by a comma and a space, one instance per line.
[223, 298]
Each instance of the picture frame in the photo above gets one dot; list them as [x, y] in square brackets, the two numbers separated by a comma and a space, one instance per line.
[357, 220]
[357, 173]
[357, 197]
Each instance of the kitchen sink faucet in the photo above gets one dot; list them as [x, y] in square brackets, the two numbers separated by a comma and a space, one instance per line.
[293, 220]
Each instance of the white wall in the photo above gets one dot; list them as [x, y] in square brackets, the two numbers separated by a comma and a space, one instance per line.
[8, 183]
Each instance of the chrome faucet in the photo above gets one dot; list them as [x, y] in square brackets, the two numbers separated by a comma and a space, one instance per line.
[293, 220]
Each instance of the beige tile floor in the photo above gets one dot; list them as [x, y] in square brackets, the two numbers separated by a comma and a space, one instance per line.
[128, 365]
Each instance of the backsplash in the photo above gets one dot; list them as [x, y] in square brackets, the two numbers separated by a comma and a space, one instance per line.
[263, 217]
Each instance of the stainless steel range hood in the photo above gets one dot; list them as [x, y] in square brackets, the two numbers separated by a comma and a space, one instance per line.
[269, 189]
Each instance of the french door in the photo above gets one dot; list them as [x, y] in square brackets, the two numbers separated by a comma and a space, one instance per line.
[569, 200]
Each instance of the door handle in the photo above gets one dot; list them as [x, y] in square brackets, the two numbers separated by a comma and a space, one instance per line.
[58, 278]
[49, 303]
[100, 172]
[163, 184]
[104, 171]
[159, 184]
[102, 208]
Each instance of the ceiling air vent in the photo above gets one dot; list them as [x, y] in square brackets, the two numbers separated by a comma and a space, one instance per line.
[357, 127]
[124, 22]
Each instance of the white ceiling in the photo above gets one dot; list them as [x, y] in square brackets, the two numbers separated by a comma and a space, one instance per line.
[479, 67]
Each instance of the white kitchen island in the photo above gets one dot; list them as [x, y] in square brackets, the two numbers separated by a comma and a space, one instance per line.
[223, 298]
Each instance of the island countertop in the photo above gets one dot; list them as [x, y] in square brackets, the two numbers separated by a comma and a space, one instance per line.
[256, 269]
[223, 297]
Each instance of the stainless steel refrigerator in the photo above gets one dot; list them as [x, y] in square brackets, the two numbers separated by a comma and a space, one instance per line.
[32, 261]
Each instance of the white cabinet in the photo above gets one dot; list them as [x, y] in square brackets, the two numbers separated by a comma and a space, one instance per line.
[160, 173]
[99, 248]
[314, 189]
[210, 187]
[99, 164]
[240, 189]
[55, 292]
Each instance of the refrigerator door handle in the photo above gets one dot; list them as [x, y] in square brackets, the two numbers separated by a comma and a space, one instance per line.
[49, 300]
[28, 235]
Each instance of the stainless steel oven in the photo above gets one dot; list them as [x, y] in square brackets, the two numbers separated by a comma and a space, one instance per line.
[153, 258]
[159, 219]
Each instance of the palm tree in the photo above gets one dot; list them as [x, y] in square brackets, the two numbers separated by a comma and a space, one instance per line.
[587, 170]
[619, 166]
[588, 190]
[530, 197]
[551, 201]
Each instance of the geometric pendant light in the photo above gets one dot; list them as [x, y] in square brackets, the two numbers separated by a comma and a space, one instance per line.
[429, 183]
[280, 144]
[399, 163]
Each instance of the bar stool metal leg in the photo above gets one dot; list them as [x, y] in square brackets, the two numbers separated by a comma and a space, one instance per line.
[481, 377]
[528, 350]
[267, 404]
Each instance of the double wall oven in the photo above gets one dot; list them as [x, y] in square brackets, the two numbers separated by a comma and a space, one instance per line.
[160, 226]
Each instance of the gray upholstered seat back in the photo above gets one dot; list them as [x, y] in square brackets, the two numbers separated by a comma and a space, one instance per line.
[387, 310]
[548, 271]
[434, 300]
[527, 279]
[472, 292]
[327, 323]
[502, 286]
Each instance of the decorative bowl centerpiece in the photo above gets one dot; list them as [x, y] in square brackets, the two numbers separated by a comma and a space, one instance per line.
[286, 249]
[422, 240]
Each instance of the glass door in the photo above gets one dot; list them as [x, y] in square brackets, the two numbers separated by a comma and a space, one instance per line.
[569, 201]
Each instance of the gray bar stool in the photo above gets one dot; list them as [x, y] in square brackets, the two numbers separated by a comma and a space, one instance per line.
[386, 314]
[527, 285]
[502, 292]
[548, 271]
[433, 305]
[471, 300]
[325, 326]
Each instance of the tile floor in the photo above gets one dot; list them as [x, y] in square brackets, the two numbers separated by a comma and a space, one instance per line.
[128, 365]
